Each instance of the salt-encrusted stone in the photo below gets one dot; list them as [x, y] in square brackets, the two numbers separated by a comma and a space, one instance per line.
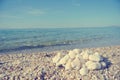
[76, 64]
[83, 71]
[63, 60]
[72, 54]
[93, 65]
[68, 65]
[56, 58]
[95, 57]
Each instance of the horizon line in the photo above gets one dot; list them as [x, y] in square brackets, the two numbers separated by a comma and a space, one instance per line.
[56, 27]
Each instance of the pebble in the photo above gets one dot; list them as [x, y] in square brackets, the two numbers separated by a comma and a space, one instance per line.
[103, 64]
[72, 54]
[76, 51]
[95, 57]
[85, 55]
[56, 58]
[68, 65]
[16, 62]
[63, 60]
[76, 63]
[93, 65]
[25, 61]
[83, 71]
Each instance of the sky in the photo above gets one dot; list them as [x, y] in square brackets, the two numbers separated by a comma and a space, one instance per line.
[59, 13]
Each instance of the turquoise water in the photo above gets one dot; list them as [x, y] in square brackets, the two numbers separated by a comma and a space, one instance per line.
[58, 38]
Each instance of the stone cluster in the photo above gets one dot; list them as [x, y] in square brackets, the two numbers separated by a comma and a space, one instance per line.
[80, 60]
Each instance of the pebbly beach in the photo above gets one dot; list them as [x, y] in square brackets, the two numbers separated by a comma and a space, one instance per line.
[59, 39]
[40, 66]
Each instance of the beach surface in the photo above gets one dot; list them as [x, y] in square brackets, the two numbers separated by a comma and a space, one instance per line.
[39, 66]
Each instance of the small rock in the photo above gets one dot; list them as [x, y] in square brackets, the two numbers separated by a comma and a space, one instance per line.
[2, 75]
[83, 71]
[68, 65]
[93, 65]
[95, 57]
[72, 54]
[79, 56]
[63, 60]
[76, 63]
[56, 58]
[76, 51]
[16, 62]
[103, 64]
[85, 54]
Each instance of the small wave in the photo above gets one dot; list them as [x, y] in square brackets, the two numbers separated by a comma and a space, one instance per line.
[31, 47]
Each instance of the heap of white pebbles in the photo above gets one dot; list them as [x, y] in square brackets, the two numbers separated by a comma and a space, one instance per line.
[80, 60]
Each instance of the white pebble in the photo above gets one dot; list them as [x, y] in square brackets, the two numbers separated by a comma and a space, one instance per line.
[16, 62]
[79, 56]
[76, 51]
[83, 71]
[68, 65]
[96, 53]
[95, 57]
[76, 63]
[86, 52]
[72, 54]
[103, 64]
[85, 56]
[93, 65]
[56, 58]
[63, 60]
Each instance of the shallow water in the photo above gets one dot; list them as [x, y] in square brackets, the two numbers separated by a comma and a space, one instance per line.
[58, 38]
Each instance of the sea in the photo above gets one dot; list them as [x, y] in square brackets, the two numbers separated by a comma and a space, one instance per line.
[50, 39]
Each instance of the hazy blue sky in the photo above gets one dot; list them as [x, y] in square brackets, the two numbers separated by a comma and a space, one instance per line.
[59, 13]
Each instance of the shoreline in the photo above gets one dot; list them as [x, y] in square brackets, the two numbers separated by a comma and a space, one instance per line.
[38, 65]
[49, 49]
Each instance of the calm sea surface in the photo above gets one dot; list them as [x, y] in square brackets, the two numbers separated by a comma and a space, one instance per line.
[58, 38]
